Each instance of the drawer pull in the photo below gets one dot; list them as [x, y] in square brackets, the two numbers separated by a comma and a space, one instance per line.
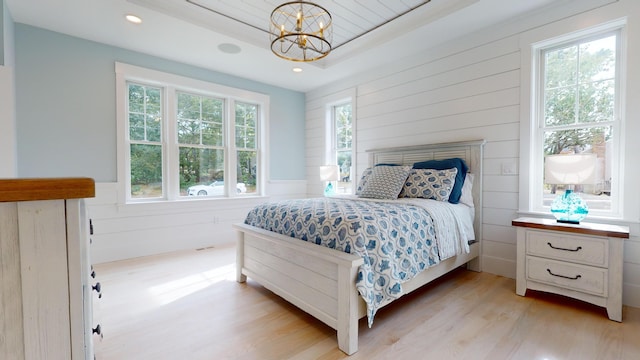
[566, 277]
[559, 248]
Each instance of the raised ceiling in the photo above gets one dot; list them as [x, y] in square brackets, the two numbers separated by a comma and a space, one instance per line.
[204, 33]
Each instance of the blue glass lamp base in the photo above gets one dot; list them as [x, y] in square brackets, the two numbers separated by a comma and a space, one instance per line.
[569, 208]
[328, 191]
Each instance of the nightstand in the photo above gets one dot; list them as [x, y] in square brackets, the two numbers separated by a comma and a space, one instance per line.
[582, 261]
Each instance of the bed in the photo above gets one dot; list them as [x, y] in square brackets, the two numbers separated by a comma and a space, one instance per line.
[322, 281]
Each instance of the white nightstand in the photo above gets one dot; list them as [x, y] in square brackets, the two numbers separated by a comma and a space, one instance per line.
[582, 261]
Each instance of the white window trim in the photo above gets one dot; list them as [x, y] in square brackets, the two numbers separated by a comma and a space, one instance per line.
[172, 82]
[341, 98]
[530, 164]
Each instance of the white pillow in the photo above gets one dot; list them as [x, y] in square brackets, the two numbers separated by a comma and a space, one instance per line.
[385, 182]
[467, 191]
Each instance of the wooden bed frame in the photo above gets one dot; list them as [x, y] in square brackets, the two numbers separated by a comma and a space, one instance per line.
[321, 281]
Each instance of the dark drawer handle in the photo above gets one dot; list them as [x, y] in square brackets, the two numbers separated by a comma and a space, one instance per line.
[566, 277]
[559, 248]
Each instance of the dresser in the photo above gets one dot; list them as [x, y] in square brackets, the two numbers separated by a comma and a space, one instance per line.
[582, 261]
[45, 278]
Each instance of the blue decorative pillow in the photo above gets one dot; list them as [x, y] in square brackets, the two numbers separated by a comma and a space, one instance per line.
[385, 182]
[429, 184]
[457, 163]
[363, 180]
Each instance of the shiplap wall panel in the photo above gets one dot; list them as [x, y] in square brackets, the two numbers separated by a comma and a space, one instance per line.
[127, 231]
[480, 120]
[447, 89]
[11, 323]
[433, 63]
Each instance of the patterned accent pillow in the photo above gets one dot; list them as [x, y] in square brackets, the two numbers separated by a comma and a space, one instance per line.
[385, 182]
[363, 180]
[457, 163]
[429, 184]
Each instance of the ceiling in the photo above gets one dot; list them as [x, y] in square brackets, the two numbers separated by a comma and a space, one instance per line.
[204, 33]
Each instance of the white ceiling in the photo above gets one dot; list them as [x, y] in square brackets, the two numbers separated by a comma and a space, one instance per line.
[190, 31]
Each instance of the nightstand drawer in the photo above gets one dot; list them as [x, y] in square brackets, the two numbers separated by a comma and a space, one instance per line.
[584, 250]
[581, 278]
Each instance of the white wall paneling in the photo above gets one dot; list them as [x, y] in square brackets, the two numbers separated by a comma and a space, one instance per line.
[134, 230]
[467, 89]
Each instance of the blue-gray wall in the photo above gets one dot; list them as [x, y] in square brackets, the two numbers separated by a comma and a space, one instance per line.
[66, 107]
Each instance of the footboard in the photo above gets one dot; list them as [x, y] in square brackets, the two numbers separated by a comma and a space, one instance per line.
[318, 280]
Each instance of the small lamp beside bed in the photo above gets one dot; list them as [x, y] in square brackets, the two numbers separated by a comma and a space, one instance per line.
[569, 170]
[329, 173]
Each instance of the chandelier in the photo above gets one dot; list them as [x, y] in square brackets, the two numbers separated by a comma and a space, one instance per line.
[301, 31]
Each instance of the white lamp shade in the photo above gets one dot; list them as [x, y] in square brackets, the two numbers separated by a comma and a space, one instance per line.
[573, 169]
[329, 173]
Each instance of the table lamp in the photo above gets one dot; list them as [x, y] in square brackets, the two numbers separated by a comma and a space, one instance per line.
[329, 173]
[570, 170]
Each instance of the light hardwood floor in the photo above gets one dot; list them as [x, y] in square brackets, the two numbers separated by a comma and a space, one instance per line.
[187, 305]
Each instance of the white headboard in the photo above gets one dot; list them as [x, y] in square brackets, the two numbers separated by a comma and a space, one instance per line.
[469, 151]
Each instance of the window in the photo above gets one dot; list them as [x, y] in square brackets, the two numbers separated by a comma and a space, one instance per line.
[578, 112]
[182, 138]
[343, 144]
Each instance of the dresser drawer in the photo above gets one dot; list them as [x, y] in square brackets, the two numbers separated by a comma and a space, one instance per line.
[577, 277]
[584, 250]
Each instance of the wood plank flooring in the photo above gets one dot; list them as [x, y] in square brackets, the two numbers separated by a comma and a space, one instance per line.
[187, 305]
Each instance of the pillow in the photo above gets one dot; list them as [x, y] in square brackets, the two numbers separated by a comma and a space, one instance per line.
[363, 180]
[467, 191]
[457, 163]
[429, 184]
[385, 182]
[365, 175]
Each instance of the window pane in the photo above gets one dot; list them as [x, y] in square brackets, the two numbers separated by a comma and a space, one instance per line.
[136, 98]
[201, 167]
[212, 134]
[597, 101]
[343, 126]
[136, 126]
[146, 171]
[598, 60]
[154, 128]
[247, 171]
[188, 132]
[200, 120]
[344, 162]
[145, 113]
[344, 138]
[595, 140]
[560, 106]
[561, 67]
[246, 116]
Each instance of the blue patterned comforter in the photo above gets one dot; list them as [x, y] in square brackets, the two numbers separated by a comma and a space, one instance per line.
[397, 240]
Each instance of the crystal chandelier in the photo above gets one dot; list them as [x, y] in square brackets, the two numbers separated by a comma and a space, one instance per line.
[301, 31]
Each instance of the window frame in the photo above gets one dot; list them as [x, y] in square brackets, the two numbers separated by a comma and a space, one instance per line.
[170, 85]
[330, 158]
[532, 112]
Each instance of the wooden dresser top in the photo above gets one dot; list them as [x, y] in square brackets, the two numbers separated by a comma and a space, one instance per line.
[586, 228]
[32, 189]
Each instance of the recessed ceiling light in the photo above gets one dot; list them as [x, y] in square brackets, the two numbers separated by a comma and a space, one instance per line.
[229, 48]
[297, 69]
[133, 19]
